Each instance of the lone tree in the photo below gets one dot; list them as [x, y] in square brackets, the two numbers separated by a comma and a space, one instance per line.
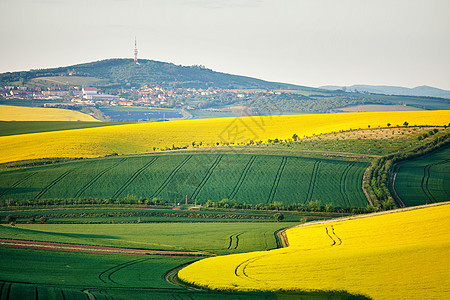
[405, 124]
[278, 217]
[10, 219]
[388, 124]
[295, 137]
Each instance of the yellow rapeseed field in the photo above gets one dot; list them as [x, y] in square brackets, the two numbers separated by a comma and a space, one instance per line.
[401, 255]
[20, 113]
[143, 137]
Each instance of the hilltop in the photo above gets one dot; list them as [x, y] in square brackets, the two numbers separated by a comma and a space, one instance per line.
[124, 72]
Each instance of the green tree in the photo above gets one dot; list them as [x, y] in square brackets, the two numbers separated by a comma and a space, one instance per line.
[278, 217]
[10, 219]
[43, 220]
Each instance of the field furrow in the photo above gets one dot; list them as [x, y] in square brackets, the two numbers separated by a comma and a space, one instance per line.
[53, 183]
[97, 177]
[312, 181]
[171, 176]
[242, 177]
[15, 184]
[276, 181]
[342, 184]
[206, 178]
[133, 177]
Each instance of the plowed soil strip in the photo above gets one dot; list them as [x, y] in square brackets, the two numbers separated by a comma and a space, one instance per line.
[91, 249]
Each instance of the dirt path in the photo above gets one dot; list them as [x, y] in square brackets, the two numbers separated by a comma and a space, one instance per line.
[91, 249]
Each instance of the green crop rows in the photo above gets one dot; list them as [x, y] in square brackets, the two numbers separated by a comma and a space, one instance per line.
[243, 178]
[210, 237]
[424, 180]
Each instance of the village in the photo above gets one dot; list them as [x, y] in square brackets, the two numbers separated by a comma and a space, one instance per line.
[147, 95]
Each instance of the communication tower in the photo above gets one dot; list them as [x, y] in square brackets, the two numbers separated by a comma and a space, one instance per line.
[135, 51]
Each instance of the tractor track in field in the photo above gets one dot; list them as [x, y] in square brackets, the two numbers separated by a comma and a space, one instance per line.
[312, 181]
[342, 182]
[242, 177]
[105, 276]
[97, 177]
[426, 178]
[276, 181]
[332, 235]
[6, 191]
[236, 236]
[206, 177]
[171, 175]
[92, 249]
[133, 177]
[52, 184]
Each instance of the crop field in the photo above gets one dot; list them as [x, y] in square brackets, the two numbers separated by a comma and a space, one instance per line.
[24, 127]
[20, 113]
[216, 238]
[386, 256]
[39, 274]
[148, 137]
[242, 178]
[424, 180]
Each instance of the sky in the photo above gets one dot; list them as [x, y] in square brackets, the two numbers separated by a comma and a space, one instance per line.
[305, 42]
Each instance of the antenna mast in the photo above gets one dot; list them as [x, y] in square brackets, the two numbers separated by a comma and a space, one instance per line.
[135, 51]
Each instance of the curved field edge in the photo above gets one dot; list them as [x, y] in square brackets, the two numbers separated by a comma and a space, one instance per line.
[148, 137]
[384, 256]
[21, 113]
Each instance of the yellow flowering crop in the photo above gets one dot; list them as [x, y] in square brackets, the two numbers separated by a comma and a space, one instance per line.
[143, 137]
[20, 113]
[396, 255]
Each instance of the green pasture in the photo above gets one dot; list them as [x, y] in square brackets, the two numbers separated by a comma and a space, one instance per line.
[241, 178]
[424, 180]
[217, 238]
[24, 127]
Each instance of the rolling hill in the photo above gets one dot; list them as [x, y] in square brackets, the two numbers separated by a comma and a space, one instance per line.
[424, 91]
[124, 72]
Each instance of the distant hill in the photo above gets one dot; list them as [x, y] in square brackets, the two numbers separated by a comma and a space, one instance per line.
[124, 72]
[423, 91]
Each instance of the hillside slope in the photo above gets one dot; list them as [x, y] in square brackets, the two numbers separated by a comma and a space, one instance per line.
[123, 72]
[390, 256]
[148, 137]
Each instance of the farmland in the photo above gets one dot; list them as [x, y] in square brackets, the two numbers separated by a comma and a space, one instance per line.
[386, 256]
[211, 238]
[240, 178]
[148, 137]
[41, 274]
[424, 180]
[19, 113]
[24, 127]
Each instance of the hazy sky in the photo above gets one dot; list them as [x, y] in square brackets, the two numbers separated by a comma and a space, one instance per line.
[306, 42]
